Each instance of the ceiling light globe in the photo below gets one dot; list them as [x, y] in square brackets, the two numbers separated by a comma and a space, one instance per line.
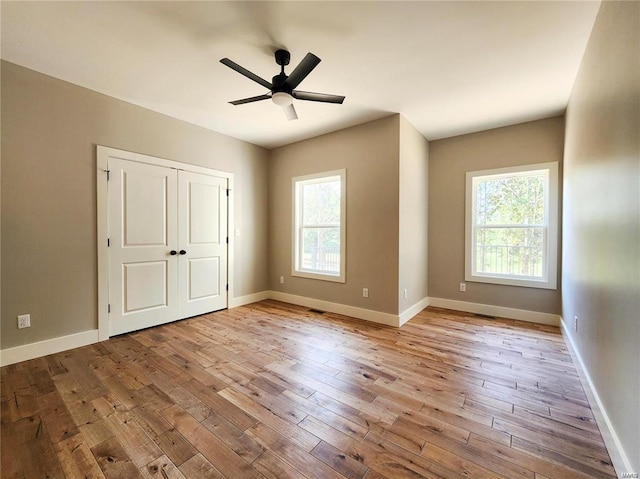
[282, 99]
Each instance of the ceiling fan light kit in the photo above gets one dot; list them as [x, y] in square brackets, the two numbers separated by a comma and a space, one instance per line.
[281, 98]
[282, 86]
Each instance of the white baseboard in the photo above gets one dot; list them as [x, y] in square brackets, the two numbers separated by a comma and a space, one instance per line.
[618, 456]
[498, 311]
[412, 311]
[360, 313]
[56, 345]
[248, 299]
[46, 347]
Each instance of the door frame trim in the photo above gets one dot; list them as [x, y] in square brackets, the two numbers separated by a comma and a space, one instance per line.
[103, 153]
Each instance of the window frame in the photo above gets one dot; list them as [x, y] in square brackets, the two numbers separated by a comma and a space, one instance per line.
[550, 225]
[297, 183]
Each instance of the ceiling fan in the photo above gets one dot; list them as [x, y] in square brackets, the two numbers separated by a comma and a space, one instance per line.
[282, 87]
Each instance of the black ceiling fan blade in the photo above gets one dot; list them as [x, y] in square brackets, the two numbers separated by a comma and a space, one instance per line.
[308, 63]
[321, 97]
[243, 71]
[290, 112]
[250, 100]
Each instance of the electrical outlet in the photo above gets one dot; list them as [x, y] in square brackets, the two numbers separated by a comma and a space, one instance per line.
[575, 323]
[24, 321]
[463, 287]
[281, 279]
[365, 292]
[406, 293]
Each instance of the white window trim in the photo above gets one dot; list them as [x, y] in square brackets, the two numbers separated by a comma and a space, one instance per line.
[549, 280]
[338, 278]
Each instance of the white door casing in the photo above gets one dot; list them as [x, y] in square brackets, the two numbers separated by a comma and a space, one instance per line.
[150, 209]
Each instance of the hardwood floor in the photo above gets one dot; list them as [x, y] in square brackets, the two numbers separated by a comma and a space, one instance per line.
[277, 391]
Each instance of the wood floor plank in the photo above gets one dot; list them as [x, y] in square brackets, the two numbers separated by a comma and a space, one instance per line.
[27, 429]
[336, 421]
[191, 403]
[461, 465]
[220, 405]
[139, 446]
[162, 468]
[154, 397]
[339, 395]
[351, 413]
[525, 460]
[395, 461]
[285, 382]
[435, 446]
[592, 466]
[326, 432]
[223, 458]
[56, 417]
[11, 466]
[198, 466]
[302, 438]
[338, 460]
[591, 440]
[272, 467]
[95, 431]
[281, 408]
[235, 438]
[550, 399]
[43, 382]
[39, 459]
[273, 390]
[150, 420]
[77, 460]
[114, 461]
[92, 386]
[175, 446]
[596, 458]
[372, 474]
[296, 457]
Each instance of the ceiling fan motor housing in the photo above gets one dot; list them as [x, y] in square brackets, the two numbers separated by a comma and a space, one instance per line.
[283, 57]
[279, 84]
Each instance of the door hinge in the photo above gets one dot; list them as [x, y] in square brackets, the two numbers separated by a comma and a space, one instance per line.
[227, 240]
[108, 308]
[108, 242]
[228, 191]
[227, 286]
[108, 174]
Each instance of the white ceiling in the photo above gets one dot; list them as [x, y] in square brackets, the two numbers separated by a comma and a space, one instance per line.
[448, 67]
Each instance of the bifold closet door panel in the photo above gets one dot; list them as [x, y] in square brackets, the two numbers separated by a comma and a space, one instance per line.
[202, 238]
[143, 272]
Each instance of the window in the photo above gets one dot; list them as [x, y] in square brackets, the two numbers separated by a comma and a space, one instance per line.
[512, 226]
[319, 232]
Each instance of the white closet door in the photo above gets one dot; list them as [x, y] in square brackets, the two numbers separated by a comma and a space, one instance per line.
[202, 238]
[143, 288]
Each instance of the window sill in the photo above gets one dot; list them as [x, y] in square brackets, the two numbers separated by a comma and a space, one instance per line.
[319, 276]
[524, 283]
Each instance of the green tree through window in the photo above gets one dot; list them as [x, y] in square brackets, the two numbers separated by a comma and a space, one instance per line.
[510, 225]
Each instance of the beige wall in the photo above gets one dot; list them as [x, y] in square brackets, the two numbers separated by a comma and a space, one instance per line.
[50, 130]
[413, 216]
[601, 252]
[369, 152]
[449, 159]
